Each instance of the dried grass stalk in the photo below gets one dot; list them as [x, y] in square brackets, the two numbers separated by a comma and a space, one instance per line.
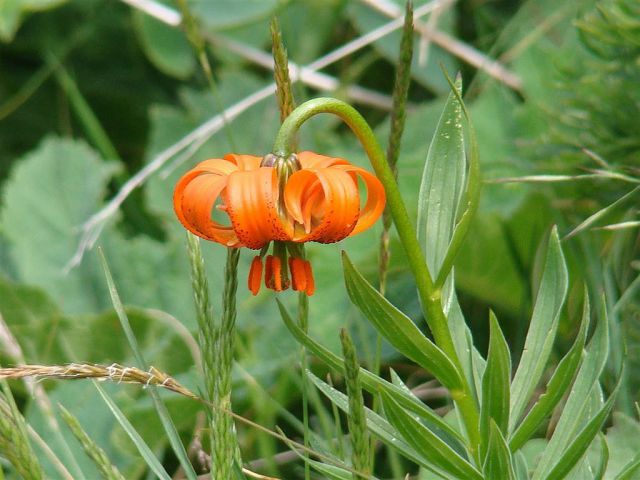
[114, 372]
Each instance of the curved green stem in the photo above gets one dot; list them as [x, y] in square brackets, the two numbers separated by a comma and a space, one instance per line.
[430, 296]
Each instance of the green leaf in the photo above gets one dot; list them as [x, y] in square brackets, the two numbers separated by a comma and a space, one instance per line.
[623, 439]
[166, 47]
[373, 383]
[424, 440]
[556, 387]
[604, 458]
[631, 470]
[377, 424]
[497, 462]
[142, 447]
[12, 13]
[365, 18]
[49, 194]
[580, 443]
[495, 385]
[585, 397]
[227, 14]
[442, 184]
[397, 328]
[542, 329]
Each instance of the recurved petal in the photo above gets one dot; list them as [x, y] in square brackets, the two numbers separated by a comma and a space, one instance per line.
[251, 198]
[376, 198]
[333, 214]
[314, 160]
[244, 162]
[194, 198]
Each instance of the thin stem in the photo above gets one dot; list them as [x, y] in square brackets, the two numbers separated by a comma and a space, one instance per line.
[303, 322]
[430, 296]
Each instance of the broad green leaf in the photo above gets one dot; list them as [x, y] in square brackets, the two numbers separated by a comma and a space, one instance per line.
[442, 184]
[580, 443]
[583, 399]
[366, 18]
[542, 329]
[495, 386]
[397, 328]
[556, 387]
[372, 383]
[497, 462]
[424, 440]
[167, 47]
[50, 193]
[12, 12]
[142, 447]
[623, 439]
[226, 14]
[631, 470]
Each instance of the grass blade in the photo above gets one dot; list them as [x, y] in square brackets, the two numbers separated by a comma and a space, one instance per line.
[135, 437]
[360, 443]
[93, 451]
[398, 329]
[161, 409]
[542, 329]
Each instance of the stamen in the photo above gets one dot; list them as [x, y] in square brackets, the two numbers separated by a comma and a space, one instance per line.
[298, 274]
[255, 275]
[311, 284]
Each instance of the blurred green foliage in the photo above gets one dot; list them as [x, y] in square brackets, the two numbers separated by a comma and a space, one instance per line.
[579, 63]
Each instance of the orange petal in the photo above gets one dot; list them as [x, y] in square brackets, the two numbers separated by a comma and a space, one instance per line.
[251, 198]
[314, 160]
[244, 162]
[337, 209]
[255, 275]
[376, 198]
[193, 199]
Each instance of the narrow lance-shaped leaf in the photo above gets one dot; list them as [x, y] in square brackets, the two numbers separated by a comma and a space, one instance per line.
[557, 386]
[498, 461]
[579, 404]
[581, 442]
[380, 427]
[370, 382]
[604, 458]
[542, 329]
[398, 329]
[442, 184]
[423, 439]
[495, 385]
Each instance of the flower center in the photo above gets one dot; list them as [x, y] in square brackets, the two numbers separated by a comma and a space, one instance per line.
[287, 259]
[285, 167]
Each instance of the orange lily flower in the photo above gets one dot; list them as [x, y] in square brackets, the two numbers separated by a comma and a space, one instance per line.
[303, 198]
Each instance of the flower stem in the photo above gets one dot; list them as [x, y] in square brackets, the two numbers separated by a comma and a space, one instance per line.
[430, 296]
